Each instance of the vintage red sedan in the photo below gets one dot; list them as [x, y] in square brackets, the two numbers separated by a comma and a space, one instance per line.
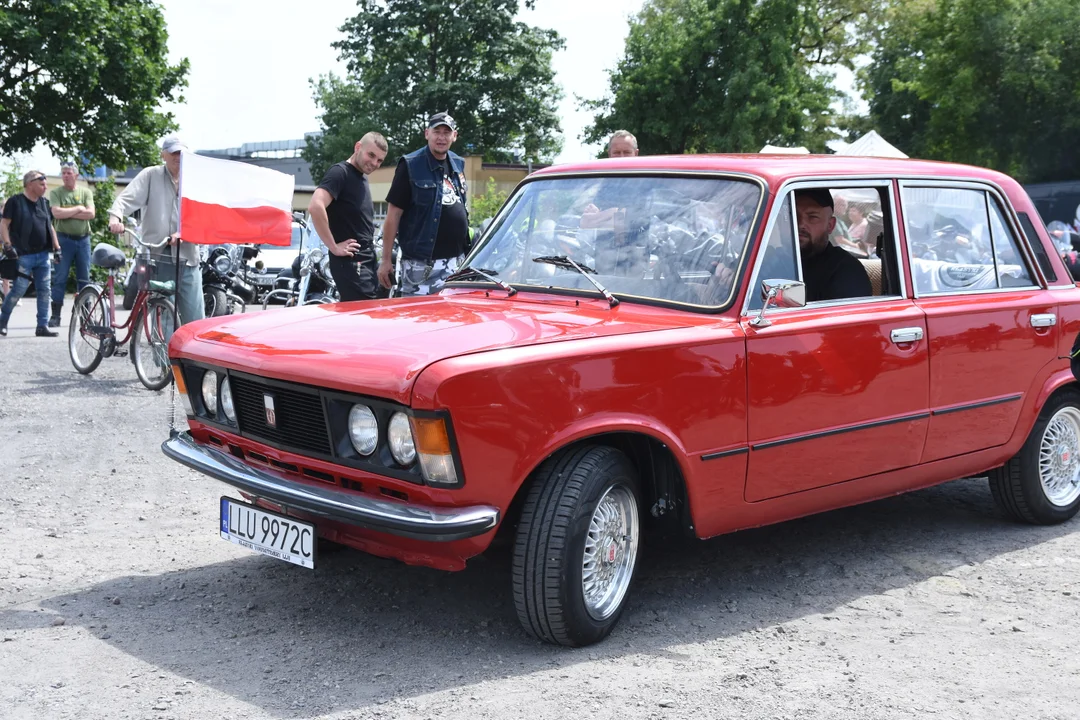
[702, 344]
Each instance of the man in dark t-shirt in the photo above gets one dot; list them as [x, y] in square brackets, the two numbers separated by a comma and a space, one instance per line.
[344, 218]
[27, 228]
[427, 204]
[830, 272]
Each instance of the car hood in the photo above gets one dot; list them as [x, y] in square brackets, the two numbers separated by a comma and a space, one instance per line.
[379, 347]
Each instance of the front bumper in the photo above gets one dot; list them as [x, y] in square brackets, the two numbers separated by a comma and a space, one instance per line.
[418, 522]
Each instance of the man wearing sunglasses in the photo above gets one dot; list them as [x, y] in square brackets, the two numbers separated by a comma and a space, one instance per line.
[27, 228]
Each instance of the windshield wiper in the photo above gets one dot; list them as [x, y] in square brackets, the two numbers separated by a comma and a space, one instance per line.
[562, 261]
[471, 273]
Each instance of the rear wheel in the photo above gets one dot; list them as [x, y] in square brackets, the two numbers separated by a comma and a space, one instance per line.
[576, 546]
[150, 344]
[1041, 483]
[88, 327]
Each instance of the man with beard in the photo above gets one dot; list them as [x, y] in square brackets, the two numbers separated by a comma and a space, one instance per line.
[830, 272]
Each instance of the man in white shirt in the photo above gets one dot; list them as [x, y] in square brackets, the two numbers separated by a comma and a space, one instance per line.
[156, 192]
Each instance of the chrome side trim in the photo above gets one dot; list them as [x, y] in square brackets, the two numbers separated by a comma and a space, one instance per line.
[840, 431]
[419, 522]
[976, 405]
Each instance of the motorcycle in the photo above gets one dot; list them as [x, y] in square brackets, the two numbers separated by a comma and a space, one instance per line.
[224, 291]
[307, 282]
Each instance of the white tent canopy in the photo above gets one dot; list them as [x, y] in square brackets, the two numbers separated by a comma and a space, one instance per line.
[776, 150]
[870, 145]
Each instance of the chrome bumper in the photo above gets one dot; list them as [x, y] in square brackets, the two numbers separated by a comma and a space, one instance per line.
[395, 518]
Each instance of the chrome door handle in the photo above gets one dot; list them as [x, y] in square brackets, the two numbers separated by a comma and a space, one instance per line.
[906, 335]
[1044, 320]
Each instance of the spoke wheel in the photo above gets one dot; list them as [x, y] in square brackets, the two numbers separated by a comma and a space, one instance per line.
[150, 345]
[87, 329]
[610, 552]
[1059, 458]
[576, 546]
[1041, 483]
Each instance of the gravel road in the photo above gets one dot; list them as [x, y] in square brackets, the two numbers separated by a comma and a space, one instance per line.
[118, 600]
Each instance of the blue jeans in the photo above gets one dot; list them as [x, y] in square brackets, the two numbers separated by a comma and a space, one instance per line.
[73, 249]
[189, 298]
[37, 265]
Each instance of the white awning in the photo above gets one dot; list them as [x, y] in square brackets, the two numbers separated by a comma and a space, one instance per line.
[871, 145]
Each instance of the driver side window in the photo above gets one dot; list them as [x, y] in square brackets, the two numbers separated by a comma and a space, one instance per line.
[779, 260]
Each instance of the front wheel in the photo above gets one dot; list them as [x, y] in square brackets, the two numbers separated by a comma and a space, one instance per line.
[576, 546]
[87, 329]
[1041, 483]
[150, 344]
[214, 302]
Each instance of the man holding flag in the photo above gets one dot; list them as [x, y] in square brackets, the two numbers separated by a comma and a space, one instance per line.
[156, 192]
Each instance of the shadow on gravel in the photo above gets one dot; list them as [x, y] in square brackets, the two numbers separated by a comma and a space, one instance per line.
[361, 630]
[51, 382]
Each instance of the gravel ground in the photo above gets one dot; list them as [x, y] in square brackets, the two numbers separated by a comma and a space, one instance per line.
[118, 600]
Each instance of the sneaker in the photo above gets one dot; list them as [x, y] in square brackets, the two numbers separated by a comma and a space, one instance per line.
[43, 331]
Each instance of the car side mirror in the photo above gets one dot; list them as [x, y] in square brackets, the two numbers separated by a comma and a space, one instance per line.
[781, 294]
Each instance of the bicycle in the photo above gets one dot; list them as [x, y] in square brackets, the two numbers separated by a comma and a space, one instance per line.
[92, 332]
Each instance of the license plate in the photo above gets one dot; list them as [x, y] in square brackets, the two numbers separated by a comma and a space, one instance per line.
[268, 533]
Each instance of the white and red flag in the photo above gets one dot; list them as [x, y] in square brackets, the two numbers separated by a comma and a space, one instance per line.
[224, 201]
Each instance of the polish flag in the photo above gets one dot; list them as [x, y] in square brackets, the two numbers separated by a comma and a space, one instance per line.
[224, 201]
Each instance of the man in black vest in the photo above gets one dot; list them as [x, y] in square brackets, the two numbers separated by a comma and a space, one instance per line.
[27, 227]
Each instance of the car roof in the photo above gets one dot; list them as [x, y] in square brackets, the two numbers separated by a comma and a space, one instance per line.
[776, 169]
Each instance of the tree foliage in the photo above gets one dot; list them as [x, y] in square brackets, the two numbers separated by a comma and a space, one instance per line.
[487, 205]
[986, 82]
[730, 75]
[407, 59]
[85, 77]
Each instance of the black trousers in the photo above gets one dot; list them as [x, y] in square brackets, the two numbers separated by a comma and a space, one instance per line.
[356, 277]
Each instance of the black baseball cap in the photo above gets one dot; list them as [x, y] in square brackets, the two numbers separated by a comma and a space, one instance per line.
[820, 196]
[442, 118]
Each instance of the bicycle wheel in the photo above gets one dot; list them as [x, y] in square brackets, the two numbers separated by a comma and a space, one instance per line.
[150, 343]
[88, 327]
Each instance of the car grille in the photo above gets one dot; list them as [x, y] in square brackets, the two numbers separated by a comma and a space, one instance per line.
[300, 418]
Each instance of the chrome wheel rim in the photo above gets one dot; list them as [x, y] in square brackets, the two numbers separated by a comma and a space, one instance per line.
[610, 552]
[83, 346]
[1059, 457]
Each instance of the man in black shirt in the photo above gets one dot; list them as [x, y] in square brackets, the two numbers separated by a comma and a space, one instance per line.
[344, 218]
[27, 227]
[427, 213]
[830, 272]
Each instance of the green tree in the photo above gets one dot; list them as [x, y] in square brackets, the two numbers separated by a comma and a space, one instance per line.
[85, 77]
[987, 82]
[409, 58]
[486, 205]
[728, 75]
[11, 182]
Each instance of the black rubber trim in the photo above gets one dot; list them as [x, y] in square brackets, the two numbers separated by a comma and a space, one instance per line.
[984, 403]
[840, 431]
[725, 453]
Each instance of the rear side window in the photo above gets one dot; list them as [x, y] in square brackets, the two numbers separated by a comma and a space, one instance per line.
[1037, 247]
[959, 241]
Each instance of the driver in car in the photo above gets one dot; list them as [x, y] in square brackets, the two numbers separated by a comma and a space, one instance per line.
[830, 272]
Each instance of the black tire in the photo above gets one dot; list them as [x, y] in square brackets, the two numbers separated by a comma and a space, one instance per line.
[90, 307]
[550, 546]
[150, 343]
[214, 301]
[1051, 453]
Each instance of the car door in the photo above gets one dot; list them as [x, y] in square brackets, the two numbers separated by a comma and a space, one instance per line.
[991, 327]
[837, 389]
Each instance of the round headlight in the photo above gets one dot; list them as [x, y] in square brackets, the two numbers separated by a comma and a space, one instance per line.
[223, 264]
[363, 429]
[227, 406]
[402, 446]
[209, 392]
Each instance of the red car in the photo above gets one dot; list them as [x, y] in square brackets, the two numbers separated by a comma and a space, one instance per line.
[666, 343]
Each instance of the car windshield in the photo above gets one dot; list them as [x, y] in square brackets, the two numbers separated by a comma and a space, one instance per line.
[675, 239]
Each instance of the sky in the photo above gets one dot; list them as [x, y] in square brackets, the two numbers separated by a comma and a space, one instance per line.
[251, 62]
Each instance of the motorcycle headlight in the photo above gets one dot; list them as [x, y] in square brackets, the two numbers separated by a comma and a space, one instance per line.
[227, 406]
[324, 265]
[210, 392]
[223, 264]
[363, 429]
[399, 434]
